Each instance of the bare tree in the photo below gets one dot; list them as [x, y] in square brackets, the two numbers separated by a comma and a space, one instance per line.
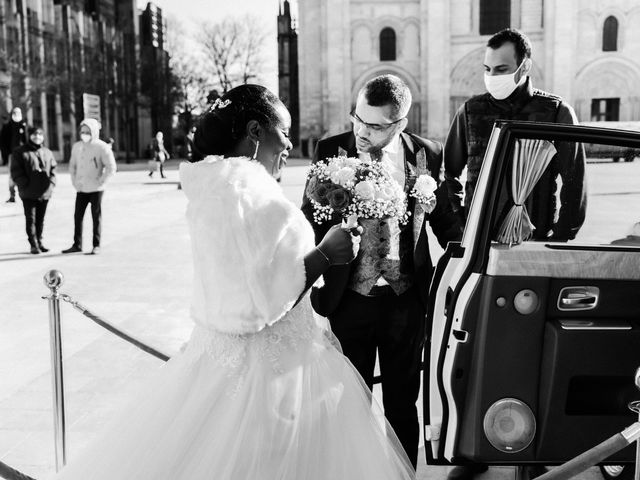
[190, 81]
[234, 48]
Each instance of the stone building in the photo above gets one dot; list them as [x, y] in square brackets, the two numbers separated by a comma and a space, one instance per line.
[583, 50]
[288, 68]
[59, 56]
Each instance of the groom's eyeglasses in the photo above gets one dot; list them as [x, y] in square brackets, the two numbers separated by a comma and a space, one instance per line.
[376, 127]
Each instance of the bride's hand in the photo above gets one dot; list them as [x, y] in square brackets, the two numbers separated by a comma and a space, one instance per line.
[340, 246]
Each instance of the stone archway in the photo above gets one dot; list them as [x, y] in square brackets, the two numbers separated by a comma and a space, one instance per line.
[414, 114]
[610, 77]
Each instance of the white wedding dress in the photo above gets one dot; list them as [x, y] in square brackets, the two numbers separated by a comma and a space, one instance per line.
[260, 391]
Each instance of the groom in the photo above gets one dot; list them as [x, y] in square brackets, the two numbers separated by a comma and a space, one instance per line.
[378, 302]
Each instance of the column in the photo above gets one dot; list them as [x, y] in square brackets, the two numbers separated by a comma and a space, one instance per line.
[435, 41]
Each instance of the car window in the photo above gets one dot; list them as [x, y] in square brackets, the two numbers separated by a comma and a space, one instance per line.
[544, 196]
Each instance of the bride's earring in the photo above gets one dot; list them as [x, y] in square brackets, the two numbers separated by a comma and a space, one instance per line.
[255, 153]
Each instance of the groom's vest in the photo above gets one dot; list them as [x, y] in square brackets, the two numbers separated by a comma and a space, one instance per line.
[386, 250]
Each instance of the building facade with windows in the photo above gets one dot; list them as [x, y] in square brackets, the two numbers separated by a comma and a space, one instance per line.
[54, 54]
[584, 51]
[288, 86]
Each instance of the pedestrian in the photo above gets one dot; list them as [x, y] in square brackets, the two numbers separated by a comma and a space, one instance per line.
[511, 96]
[91, 165]
[260, 391]
[160, 154]
[378, 302]
[33, 171]
[188, 143]
[12, 135]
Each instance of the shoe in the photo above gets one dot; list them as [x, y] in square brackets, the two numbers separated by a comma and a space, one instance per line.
[529, 472]
[151, 174]
[72, 249]
[35, 250]
[163, 176]
[43, 248]
[467, 472]
[95, 251]
[11, 200]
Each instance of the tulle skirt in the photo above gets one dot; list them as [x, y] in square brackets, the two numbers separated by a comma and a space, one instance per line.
[282, 404]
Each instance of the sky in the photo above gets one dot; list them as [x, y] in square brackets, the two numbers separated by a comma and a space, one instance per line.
[191, 12]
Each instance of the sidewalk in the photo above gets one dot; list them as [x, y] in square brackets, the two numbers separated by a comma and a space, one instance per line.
[141, 282]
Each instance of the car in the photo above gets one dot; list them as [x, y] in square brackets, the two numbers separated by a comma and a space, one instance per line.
[613, 152]
[534, 341]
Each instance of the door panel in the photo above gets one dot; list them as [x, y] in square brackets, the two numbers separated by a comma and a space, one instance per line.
[534, 343]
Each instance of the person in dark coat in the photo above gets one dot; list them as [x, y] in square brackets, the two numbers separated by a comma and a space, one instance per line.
[511, 96]
[12, 135]
[33, 171]
[378, 302]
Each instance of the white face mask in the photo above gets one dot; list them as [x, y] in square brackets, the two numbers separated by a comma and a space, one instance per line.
[501, 86]
[85, 137]
[16, 117]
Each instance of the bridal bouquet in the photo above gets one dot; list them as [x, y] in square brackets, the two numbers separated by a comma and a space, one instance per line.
[352, 188]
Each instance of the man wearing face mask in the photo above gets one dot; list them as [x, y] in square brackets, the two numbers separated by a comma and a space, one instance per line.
[91, 165]
[13, 134]
[33, 171]
[511, 96]
[377, 303]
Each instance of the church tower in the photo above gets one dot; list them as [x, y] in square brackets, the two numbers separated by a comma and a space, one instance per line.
[288, 68]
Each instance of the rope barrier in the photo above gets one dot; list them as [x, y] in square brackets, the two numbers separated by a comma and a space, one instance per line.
[106, 325]
[12, 474]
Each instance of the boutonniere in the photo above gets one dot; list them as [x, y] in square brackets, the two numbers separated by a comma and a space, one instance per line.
[424, 191]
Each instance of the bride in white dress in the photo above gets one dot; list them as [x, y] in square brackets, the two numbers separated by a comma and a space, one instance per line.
[260, 391]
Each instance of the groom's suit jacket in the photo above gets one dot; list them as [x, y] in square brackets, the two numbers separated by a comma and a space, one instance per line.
[443, 222]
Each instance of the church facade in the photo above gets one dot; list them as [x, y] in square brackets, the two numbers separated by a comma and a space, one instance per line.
[583, 50]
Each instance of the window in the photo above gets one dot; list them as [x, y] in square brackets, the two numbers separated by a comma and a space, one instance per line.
[605, 109]
[52, 122]
[610, 35]
[494, 16]
[387, 44]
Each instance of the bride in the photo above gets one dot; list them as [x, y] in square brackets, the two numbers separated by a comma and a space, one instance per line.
[260, 391]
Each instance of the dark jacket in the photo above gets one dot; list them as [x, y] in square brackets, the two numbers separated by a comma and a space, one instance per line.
[12, 135]
[467, 143]
[33, 171]
[442, 220]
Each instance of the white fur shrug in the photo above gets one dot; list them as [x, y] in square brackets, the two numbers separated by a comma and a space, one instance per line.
[248, 241]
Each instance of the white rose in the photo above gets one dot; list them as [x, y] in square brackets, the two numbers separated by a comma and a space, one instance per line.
[345, 176]
[332, 168]
[365, 190]
[385, 192]
[425, 185]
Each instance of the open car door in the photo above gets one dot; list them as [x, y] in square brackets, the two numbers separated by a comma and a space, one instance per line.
[534, 339]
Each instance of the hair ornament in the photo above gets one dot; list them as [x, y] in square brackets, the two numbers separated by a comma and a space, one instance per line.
[219, 104]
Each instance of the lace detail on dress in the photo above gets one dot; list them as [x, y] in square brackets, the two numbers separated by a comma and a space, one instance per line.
[233, 352]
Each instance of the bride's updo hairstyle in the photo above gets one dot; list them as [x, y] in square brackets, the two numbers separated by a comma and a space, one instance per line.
[223, 126]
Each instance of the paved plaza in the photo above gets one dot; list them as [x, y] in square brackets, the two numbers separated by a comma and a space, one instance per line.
[140, 282]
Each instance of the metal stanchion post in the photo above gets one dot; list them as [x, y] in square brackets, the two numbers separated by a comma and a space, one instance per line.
[53, 280]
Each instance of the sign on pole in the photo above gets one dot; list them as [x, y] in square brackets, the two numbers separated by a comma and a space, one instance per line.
[91, 106]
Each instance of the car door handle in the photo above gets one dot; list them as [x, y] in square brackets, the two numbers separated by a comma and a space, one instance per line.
[578, 298]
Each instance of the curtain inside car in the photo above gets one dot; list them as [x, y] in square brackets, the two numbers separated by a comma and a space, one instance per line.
[530, 160]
